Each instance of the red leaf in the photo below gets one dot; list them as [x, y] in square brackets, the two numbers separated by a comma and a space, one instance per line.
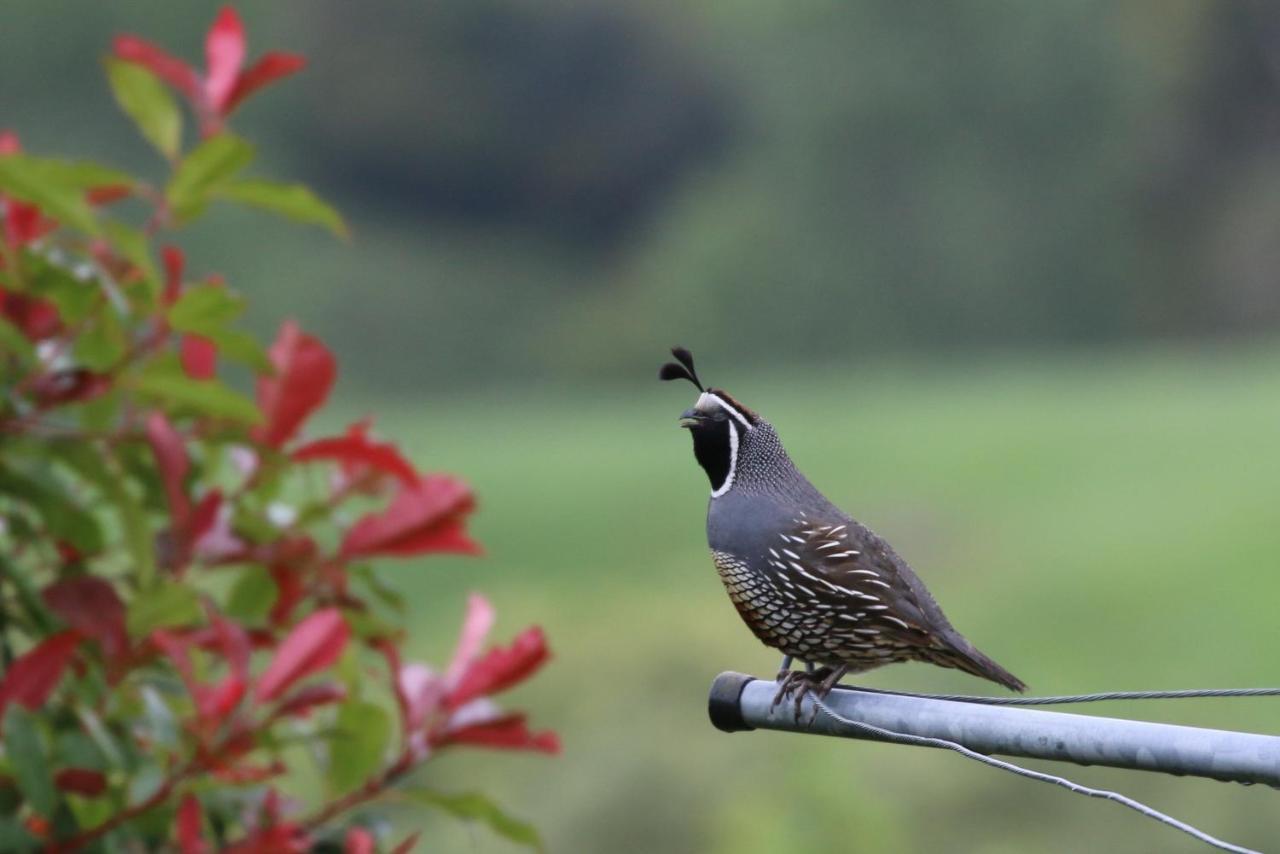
[313, 645]
[305, 371]
[107, 194]
[233, 641]
[189, 821]
[168, 68]
[218, 701]
[406, 845]
[35, 316]
[501, 669]
[204, 515]
[171, 459]
[426, 516]
[419, 691]
[475, 628]
[90, 606]
[173, 262]
[9, 142]
[509, 732]
[224, 54]
[356, 450]
[289, 592]
[81, 781]
[300, 703]
[359, 841]
[223, 637]
[241, 774]
[37, 826]
[24, 223]
[69, 386]
[33, 675]
[269, 68]
[199, 357]
[174, 645]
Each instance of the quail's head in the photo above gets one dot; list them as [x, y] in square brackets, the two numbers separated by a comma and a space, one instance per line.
[716, 420]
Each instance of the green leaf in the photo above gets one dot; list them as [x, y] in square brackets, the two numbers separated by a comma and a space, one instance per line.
[133, 245]
[84, 812]
[14, 343]
[77, 748]
[168, 603]
[358, 745]
[472, 806]
[133, 519]
[64, 518]
[62, 203]
[101, 467]
[165, 382]
[32, 604]
[145, 783]
[102, 738]
[75, 174]
[244, 348]
[24, 748]
[252, 595]
[10, 801]
[210, 164]
[14, 836]
[388, 596]
[102, 345]
[365, 624]
[74, 297]
[57, 187]
[99, 414]
[146, 100]
[162, 726]
[253, 525]
[205, 310]
[292, 201]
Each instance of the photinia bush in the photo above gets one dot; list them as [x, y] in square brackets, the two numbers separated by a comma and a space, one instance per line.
[188, 616]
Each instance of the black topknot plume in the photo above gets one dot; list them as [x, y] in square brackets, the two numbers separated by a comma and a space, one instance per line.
[682, 371]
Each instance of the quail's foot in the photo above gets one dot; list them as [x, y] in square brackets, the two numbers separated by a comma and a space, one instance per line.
[798, 684]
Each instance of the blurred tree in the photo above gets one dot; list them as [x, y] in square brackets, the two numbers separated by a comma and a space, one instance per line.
[779, 181]
[574, 117]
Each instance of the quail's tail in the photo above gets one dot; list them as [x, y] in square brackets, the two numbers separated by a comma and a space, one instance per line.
[965, 656]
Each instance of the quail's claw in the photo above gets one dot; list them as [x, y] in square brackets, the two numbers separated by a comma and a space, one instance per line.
[798, 684]
[787, 682]
[832, 681]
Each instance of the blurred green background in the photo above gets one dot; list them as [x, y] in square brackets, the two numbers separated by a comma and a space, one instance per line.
[1003, 276]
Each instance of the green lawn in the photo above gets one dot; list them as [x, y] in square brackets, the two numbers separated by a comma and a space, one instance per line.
[1092, 523]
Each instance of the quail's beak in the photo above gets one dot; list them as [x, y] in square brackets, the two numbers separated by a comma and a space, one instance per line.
[690, 418]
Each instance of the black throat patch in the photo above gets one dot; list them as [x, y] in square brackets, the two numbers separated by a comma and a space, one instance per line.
[713, 447]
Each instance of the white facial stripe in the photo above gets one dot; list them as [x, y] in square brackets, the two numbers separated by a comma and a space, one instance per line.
[707, 399]
[733, 462]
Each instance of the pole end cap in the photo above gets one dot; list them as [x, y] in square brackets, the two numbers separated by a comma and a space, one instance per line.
[724, 705]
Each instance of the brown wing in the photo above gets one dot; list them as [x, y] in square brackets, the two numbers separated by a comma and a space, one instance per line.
[873, 606]
[868, 597]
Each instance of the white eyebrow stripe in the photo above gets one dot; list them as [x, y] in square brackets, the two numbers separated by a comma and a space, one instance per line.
[723, 404]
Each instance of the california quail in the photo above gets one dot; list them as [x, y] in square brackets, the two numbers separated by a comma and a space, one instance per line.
[805, 577]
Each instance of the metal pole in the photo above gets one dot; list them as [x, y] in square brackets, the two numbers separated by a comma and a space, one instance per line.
[740, 702]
